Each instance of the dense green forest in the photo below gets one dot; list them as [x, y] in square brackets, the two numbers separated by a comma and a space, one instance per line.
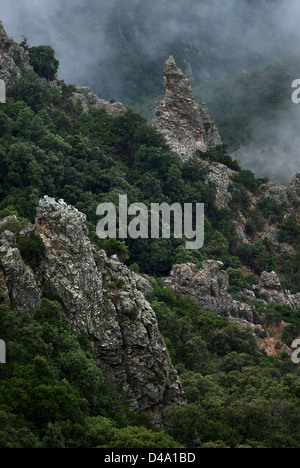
[237, 397]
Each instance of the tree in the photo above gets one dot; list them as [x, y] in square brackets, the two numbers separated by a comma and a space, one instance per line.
[32, 90]
[43, 60]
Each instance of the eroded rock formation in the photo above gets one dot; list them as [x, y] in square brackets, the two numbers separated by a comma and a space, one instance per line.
[99, 294]
[186, 125]
[12, 58]
[90, 100]
[209, 287]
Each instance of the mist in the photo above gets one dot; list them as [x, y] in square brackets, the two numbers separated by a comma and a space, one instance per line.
[81, 30]
[118, 47]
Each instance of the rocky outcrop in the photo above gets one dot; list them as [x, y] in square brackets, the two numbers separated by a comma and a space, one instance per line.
[270, 290]
[294, 188]
[286, 194]
[98, 294]
[186, 125]
[208, 286]
[13, 58]
[17, 281]
[221, 176]
[89, 100]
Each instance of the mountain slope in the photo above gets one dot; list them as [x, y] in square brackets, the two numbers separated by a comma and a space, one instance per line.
[225, 315]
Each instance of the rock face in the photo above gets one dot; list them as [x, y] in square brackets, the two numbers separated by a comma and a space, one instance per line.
[186, 125]
[12, 57]
[270, 289]
[221, 176]
[288, 194]
[207, 286]
[90, 100]
[98, 294]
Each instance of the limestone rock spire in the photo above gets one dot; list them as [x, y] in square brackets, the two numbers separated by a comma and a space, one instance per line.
[186, 125]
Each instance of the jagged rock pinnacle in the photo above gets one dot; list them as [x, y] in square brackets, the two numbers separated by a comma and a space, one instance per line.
[176, 83]
[186, 125]
[120, 322]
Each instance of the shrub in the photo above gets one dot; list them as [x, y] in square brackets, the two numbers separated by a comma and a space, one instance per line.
[114, 247]
[32, 249]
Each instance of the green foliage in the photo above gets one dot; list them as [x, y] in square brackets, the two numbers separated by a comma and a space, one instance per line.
[43, 60]
[248, 180]
[235, 394]
[271, 210]
[32, 90]
[32, 249]
[219, 154]
[257, 256]
[52, 394]
[102, 433]
[114, 247]
[289, 231]
[53, 147]
[238, 281]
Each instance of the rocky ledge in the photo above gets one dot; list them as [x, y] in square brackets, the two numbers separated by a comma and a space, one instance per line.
[89, 100]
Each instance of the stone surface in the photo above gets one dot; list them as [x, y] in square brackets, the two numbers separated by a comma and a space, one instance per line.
[221, 176]
[207, 286]
[99, 294]
[270, 289]
[12, 58]
[18, 281]
[287, 194]
[186, 125]
[90, 100]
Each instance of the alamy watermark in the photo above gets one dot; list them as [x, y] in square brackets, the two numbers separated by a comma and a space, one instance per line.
[296, 93]
[2, 352]
[136, 221]
[296, 353]
[2, 92]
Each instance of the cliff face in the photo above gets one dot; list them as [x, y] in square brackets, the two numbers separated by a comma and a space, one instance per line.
[100, 295]
[12, 59]
[186, 125]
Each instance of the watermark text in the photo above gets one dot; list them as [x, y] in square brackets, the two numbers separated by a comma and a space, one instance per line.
[2, 92]
[161, 221]
[2, 352]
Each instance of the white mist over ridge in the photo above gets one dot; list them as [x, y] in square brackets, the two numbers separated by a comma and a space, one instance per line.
[79, 30]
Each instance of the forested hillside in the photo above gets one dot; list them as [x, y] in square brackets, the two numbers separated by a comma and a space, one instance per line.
[52, 394]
